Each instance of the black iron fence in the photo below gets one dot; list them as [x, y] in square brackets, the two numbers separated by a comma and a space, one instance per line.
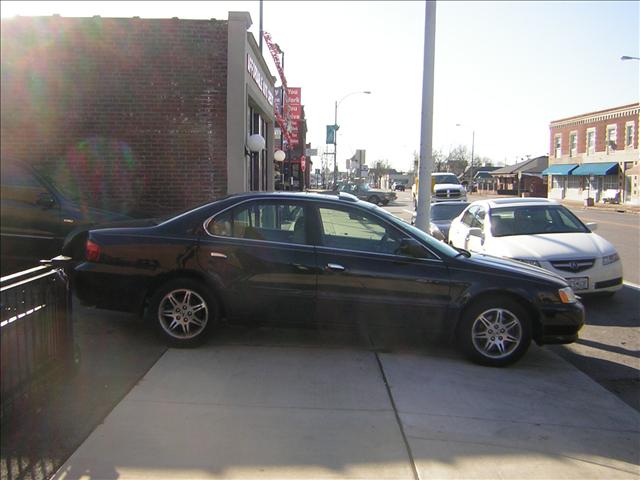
[36, 332]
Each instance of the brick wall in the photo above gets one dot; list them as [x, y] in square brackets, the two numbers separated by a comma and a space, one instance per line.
[127, 114]
[601, 132]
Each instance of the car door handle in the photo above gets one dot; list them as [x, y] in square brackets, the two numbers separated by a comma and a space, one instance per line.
[335, 267]
[218, 255]
[299, 266]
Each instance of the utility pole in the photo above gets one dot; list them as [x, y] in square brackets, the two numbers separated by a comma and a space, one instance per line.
[426, 134]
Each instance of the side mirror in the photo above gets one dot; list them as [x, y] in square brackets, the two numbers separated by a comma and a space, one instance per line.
[475, 232]
[411, 248]
[593, 226]
[45, 200]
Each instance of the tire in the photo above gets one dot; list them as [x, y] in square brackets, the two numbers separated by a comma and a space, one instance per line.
[183, 322]
[385, 202]
[485, 326]
[373, 199]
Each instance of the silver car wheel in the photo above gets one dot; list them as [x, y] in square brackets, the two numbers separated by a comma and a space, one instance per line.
[496, 333]
[183, 314]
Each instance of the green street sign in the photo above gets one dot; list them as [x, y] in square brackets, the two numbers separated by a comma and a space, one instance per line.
[331, 134]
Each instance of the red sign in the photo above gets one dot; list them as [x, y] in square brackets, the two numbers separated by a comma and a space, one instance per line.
[303, 163]
[294, 95]
[295, 112]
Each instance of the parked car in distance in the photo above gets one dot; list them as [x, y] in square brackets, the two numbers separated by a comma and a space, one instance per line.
[364, 192]
[543, 233]
[37, 216]
[445, 187]
[316, 259]
[399, 187]
[442, 214]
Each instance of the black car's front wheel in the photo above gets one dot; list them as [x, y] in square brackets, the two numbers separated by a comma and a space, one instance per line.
[495, 332]
[183, 312]
[373, 199]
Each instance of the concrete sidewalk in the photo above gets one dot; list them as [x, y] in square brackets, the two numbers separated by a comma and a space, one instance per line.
[286, 407]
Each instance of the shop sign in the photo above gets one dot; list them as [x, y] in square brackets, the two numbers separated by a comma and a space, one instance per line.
[259, 78]
[303, 163]
[294, 95]
[295, 112]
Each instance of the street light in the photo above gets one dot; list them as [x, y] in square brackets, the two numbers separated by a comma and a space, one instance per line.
[335, 136]
[626, 57]
[473, 141]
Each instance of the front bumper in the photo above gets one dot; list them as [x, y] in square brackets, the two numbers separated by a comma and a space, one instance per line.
[559, 323]
[600, 278]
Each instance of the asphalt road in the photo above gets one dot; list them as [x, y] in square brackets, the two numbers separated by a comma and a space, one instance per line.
[609, 346]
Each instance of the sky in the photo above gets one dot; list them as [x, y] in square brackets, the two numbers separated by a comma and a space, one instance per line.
[503, 70]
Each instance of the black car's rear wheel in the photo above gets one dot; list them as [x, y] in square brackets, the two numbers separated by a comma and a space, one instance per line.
[183, 312]
[495, 332]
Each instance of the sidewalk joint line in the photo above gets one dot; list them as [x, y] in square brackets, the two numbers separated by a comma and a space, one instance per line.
[416, 476]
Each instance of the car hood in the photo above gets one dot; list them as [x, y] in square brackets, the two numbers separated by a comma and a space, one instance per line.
[551, 246]
[514, 267]
[448, 186]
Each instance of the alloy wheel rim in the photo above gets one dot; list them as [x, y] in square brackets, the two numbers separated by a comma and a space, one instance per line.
[496, 333]
[183, 314]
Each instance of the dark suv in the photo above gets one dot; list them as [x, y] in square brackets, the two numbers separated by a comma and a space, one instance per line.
[36, 217]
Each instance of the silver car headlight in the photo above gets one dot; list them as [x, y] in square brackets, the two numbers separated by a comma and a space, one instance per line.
[567, 295]
[535, 263]
[614, 257]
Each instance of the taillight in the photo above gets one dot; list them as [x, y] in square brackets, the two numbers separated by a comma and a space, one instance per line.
[92, 251]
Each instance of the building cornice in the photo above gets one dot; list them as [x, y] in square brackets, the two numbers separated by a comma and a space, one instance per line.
[593, 117]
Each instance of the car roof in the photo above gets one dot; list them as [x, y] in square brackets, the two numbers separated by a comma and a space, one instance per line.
[338, 197]
[515, 202]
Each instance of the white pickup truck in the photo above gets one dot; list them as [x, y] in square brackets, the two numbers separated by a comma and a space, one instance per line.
[446, 187]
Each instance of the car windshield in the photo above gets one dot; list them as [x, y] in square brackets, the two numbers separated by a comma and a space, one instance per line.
[447, 211]
[438, 179]
[436, 245]
[534, 219]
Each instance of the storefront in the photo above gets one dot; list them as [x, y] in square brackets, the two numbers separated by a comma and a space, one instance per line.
[250, 89]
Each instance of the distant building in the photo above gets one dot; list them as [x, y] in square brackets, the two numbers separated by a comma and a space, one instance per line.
[595, 156]
[524, 178]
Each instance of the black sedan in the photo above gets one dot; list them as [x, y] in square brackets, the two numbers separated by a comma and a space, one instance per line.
[307, 258]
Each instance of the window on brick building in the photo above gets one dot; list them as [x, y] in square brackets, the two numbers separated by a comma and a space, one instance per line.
[611, 139]
[628, 135]
[573, 144]
[591, 141]
[558, 145]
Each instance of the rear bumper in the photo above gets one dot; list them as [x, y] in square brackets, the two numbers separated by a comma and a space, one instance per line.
[560, 324]
[100, 286]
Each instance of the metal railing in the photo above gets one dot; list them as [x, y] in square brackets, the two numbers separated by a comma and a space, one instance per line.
[36, 332]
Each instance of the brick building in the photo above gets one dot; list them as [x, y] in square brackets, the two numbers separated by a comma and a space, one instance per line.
[595, 156]
[143, 116]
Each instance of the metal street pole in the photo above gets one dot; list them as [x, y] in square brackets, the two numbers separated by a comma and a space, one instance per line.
[426, 134]
[335, 134]
[473, 142]
[335, 146]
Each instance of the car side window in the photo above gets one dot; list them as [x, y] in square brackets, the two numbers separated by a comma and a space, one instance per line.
[270, 221]
[351, 229]
[14, 176]
[478, 218]
[469, 215]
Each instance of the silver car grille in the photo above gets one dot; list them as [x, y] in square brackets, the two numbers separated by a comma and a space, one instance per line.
[573, 265]
[448, 193]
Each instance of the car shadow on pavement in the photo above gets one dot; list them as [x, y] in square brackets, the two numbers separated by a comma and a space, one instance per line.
[622, 310]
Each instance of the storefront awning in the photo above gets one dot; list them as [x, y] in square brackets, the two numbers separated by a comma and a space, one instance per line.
[560, 169]
[609, 168]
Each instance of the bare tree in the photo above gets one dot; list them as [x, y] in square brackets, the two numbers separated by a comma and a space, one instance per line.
[380, 168]
[457, 160]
